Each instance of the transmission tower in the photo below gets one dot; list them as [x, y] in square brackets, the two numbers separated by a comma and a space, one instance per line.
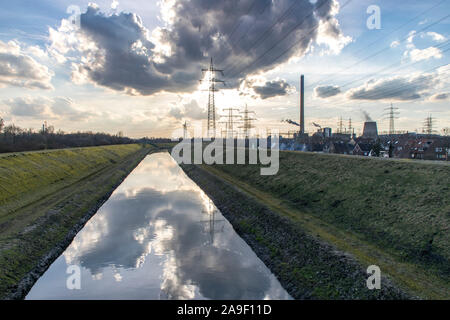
[229, 123]
[428, 125]
[391, 113]
[340, 126]
[350, 125]
[211, 73]
[247, 126]
[212, 225]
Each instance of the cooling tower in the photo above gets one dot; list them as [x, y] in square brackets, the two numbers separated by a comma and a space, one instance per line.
[370, 130]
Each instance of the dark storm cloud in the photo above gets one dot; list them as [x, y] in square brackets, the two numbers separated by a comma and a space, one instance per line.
[123, 53]
[272, 89]
[399, 88]
[326, 91]
[125, 59]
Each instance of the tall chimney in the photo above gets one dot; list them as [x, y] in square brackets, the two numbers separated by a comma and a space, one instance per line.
[302, 104]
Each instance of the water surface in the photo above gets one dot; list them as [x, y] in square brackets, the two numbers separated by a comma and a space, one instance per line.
[159, 236]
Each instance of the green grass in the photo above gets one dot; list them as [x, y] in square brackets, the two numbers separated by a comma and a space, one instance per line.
[45, 194]
[394, 213]
[26, 177]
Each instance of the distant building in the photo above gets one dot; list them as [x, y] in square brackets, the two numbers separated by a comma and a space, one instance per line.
[327, 132]
[429, 149]
[362, 149]
[340, 148]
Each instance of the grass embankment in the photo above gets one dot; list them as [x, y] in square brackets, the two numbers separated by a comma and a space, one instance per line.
[394, 214]
[307, 267]
[46, 197]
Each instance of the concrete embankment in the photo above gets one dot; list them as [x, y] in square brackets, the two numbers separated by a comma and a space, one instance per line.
[46, 198]
[307, 267]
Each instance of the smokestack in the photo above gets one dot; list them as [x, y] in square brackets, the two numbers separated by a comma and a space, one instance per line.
[302, 104]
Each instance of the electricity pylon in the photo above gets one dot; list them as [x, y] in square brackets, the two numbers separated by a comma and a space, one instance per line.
[229, 123]
[340, 125]
[428, 125]
[247, 126]
[211, 126]
[392, 114]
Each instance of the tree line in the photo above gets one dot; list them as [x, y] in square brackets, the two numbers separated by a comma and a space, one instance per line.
[16, 139]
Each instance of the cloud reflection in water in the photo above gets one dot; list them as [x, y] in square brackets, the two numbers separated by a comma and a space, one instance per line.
[154, 226]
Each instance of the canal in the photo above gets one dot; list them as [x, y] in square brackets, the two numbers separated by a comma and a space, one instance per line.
[158, 236]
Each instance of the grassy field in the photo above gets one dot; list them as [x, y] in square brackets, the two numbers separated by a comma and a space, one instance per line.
[392, 213]
[45, 194]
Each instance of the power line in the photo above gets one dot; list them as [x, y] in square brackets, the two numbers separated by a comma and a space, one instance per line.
[265, 34]
[390, 93]
[389, 33]
[247, 30]
[385, 48]
[283, 38]
[400, 87]
[237, 25]
[395, 64]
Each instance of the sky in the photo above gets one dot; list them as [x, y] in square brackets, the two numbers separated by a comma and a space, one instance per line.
[134, 66]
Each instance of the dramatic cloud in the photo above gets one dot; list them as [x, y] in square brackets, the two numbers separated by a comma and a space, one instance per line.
[48, 108]
[272, 89]
[21, 70]
[396, 88]
[189, 110]
[116, 51]
[326, 91]
[330, 33]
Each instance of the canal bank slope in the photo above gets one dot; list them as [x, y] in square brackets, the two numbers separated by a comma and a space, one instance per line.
[394, 214]
[307, 267]
[46, 198]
